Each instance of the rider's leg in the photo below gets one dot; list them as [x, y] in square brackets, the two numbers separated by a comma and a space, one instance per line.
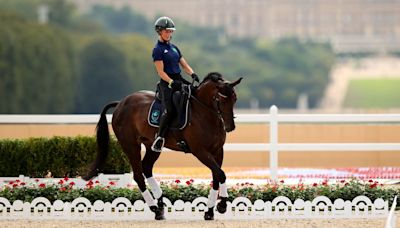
[158, 144]
[166, 117]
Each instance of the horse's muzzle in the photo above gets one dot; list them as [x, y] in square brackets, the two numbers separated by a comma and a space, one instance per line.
[229, 129]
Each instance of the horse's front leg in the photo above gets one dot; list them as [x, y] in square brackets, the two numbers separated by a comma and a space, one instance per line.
[223, 190]
[218, 177]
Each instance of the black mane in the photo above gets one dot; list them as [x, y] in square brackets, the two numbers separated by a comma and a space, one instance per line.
[213, 76]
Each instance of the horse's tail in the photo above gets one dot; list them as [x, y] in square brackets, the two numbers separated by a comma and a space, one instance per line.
[103, 140]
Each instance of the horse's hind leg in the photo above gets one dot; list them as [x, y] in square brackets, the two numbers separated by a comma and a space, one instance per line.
[147, 165]
[132, 150]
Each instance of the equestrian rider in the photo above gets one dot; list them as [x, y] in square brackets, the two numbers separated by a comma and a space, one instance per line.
[167, 58]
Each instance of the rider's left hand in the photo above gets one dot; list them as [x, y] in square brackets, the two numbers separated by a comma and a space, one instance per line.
[195, 77]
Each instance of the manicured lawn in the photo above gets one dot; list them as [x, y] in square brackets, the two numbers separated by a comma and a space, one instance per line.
[373, 93]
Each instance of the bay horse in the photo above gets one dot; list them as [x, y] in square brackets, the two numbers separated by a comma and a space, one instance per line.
[211, 117]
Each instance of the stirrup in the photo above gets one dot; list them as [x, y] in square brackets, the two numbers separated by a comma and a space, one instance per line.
[156, 144]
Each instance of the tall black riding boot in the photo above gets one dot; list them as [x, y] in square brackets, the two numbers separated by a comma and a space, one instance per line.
[158, 144]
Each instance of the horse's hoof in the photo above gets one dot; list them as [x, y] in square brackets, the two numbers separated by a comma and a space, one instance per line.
[160, 217]
[221, 206]
[209, 215]
[159, 212]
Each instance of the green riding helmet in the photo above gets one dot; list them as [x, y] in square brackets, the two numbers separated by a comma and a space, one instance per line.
[164, 23]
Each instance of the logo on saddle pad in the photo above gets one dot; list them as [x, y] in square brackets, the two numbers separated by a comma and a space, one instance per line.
[181, 104]
[155, 115]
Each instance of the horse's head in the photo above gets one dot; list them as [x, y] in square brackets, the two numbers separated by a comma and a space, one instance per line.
[223, 97]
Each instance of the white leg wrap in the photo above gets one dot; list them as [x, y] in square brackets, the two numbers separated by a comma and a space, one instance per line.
[212, 198]
[155, 187]
[148, 198]
[223, 190]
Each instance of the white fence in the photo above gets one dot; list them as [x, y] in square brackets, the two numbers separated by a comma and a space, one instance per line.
[240, 208]
[273, 119]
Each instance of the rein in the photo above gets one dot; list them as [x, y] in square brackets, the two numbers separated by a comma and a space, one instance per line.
[216, 101]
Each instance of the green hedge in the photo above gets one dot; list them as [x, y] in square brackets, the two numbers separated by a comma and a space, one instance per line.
[62, 156]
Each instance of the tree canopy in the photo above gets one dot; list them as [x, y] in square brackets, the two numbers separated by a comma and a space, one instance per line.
[77, 63]
[36, 67]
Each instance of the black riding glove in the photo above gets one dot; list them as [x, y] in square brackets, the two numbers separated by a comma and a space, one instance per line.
[175, 85]
[195, 77]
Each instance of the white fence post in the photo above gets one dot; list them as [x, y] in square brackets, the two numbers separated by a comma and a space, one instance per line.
[273, 140]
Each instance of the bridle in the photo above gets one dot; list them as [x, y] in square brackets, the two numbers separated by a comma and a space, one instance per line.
[216, 103]
[216, 109]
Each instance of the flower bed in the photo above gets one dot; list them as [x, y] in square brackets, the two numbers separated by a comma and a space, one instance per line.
[65, 190]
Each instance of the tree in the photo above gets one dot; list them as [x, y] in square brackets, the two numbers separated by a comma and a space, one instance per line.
[123, 20]
[36, 67]
[103, 76]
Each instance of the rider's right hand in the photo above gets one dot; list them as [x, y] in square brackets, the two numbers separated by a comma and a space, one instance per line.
[175, 85]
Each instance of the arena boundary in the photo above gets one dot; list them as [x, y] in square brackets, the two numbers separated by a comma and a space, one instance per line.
[240, 208]
[273, 119]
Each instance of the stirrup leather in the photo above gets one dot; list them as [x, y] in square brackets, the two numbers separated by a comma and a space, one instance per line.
[156, 144]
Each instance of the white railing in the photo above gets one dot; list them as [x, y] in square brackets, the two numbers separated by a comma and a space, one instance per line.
[273, 119]
[240, 208]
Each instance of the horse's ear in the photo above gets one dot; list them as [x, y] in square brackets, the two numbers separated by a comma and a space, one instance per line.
[235, 83]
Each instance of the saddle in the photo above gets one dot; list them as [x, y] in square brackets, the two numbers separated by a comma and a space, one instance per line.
[180, 100]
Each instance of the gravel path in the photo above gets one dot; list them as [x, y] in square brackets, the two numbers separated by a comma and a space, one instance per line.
[201, 224]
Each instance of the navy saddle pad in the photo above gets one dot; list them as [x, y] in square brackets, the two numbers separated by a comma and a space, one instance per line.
[181, 105]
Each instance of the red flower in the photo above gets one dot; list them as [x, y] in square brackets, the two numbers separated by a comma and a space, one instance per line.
[191, 180]
[97, 182]
[315, 185]
[11, 182]
[36, 180]
[342, 181]
[188, 182]
[42, 185]
[282, 181]
[373, 185]
[17, 181]
[370, 181]
[89, 183]
[177, 181]
[22, 183]
[61, 182]
[66, 178]
[15, 185]
[72, 183]
[63, 189]
[111, 183]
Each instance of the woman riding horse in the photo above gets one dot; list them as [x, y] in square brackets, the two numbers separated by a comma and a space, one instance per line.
[211, 117]
[167, 57]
